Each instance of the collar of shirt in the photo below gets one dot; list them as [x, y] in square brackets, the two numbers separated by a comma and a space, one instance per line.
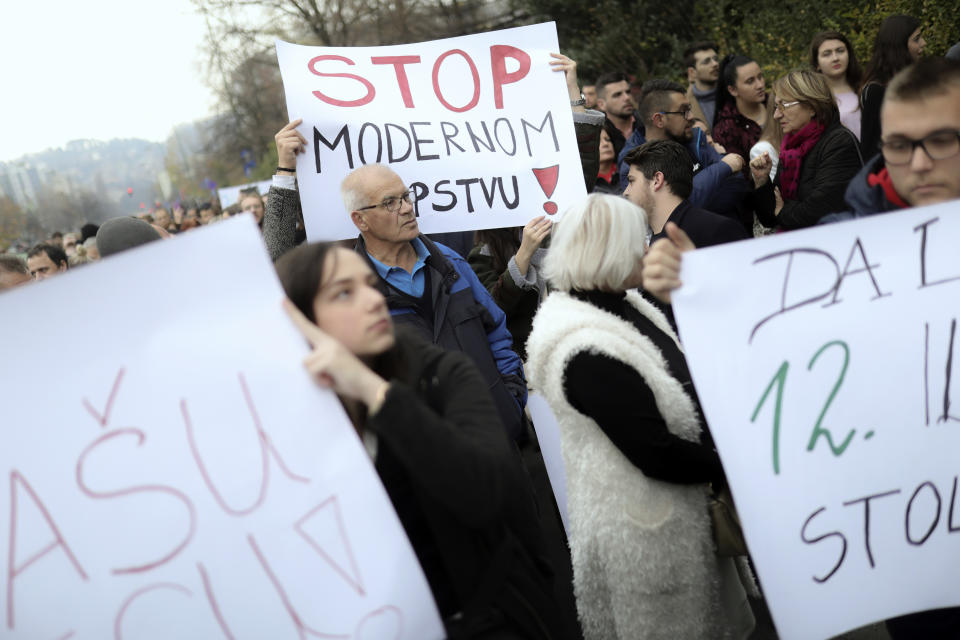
[410, 283]
[676, 217]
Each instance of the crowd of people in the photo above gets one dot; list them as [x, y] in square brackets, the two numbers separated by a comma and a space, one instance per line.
[432, 342]
[62, 251]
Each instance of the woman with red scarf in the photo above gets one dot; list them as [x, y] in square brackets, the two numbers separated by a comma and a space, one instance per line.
[818, 156]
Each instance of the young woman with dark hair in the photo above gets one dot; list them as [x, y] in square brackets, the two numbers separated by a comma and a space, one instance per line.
[608, 180]
[899, 44]
[832, 55]
[429, 423]
[743, 109]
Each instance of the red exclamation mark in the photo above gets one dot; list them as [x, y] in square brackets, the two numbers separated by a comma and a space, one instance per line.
[547, 177]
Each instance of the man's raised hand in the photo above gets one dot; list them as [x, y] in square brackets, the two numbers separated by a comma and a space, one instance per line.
[289, 144]
[661, 265]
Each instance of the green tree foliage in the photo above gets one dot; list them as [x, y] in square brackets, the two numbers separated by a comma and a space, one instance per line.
[13, 222]
[647, 38]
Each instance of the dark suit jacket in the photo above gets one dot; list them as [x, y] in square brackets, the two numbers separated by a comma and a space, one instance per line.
[704, 228]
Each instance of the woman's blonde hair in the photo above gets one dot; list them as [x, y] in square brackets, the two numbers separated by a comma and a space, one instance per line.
[810, 88]
[597, 244]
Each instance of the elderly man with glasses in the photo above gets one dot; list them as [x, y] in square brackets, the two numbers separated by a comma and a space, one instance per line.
[432, 288]
[428, 286]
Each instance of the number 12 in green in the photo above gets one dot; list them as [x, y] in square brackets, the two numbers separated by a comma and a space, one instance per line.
[779, 381]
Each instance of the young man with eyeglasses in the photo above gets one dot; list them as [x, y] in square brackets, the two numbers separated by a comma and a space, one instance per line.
[919, 160]
[718, 185]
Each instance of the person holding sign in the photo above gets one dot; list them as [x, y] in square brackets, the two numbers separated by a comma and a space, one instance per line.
[638, 456]
[507, 262]
[424, 414]
[427, 285]
[919, 165]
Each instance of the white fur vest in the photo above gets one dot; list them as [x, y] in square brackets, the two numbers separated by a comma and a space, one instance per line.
[642, 549]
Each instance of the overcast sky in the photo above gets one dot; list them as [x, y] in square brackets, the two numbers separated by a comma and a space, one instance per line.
[97, 69]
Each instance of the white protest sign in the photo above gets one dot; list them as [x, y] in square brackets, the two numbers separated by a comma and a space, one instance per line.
[231, 195]
[171, 471]
[548, 436]
[479, 126]
[823, 360]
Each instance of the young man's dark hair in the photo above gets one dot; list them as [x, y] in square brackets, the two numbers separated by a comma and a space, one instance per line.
[656, 98]
[610, 78]
[689, 54]
[669, 158]
[55, 253]
[88, 231]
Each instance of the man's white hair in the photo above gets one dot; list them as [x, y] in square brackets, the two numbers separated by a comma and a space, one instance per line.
[597, 244]
[352, 189]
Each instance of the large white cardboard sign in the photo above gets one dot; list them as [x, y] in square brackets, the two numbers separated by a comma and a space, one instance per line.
[548, 437]
[479, 126]
[169, 469]
[824, 362]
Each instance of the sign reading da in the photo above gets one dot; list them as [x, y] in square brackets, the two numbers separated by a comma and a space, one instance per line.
[479, 126]
[824, 361]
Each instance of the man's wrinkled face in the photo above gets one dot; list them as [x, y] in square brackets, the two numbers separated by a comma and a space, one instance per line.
[923, 180]
[615, 99]
[385, 190]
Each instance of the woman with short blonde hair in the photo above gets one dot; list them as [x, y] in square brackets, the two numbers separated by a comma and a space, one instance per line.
[812, 89]
[637, 453]
[604, 247]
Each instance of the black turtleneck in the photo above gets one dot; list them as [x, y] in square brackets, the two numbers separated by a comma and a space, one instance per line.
[618, 399]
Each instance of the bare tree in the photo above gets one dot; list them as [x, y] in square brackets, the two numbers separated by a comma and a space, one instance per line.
[241, 63]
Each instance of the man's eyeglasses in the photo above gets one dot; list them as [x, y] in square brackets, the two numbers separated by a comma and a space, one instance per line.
[392, 204]
[939, 145]
[685, 112]
[783, 106]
